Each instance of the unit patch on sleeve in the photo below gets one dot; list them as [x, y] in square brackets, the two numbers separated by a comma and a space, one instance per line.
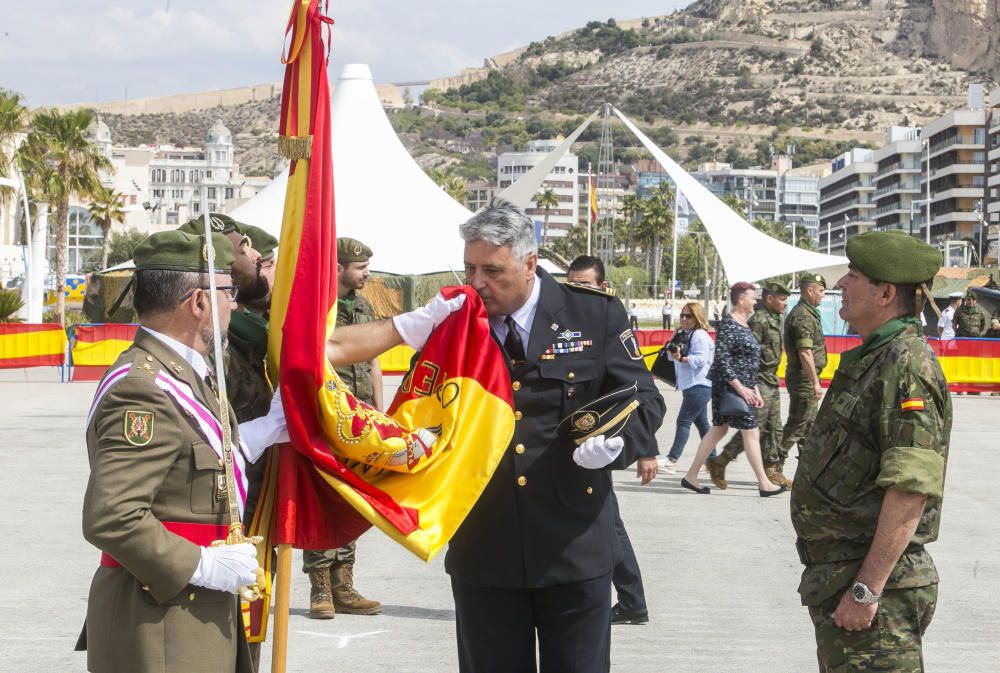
[139, 427]
[630, 344]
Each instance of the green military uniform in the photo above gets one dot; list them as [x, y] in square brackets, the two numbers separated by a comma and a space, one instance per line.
[352, 309]
[971, 321]
[766, 328]
[884, 424]
[153, 486]
[803, 329]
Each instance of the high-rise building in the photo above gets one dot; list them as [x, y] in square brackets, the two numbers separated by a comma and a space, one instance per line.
[846, 200]
[898, 196]
[562, 180]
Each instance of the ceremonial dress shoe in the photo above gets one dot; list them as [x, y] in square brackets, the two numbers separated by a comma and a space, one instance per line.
[621, 616]
[704, 490]
[768, 494]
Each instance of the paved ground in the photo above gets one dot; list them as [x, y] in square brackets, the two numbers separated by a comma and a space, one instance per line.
[720, 571]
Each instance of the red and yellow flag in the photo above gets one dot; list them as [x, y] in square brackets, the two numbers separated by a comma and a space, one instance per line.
[414, 472]
[593, 199]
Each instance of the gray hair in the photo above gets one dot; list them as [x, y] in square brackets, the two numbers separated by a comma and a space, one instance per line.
[160, 290]
[502, 223]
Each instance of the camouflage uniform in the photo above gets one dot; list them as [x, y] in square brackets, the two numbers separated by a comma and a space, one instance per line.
[247, 387]
[351, 310]
[884, 423]
[766, 328]
[803, 329]
[970, 321]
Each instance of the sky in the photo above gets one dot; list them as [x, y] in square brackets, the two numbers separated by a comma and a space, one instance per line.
[83, 51]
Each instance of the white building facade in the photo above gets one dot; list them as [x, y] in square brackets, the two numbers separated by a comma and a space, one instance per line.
[562, 180]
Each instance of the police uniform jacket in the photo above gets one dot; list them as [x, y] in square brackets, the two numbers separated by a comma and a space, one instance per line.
[542, 519]
[142, 615]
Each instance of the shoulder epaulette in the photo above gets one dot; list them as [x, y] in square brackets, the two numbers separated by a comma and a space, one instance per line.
[144, 364]
[590, 289]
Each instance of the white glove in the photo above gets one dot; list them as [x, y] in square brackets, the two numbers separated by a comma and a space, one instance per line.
[416, 326]
[226, 568]
[596, 452]
[260, 433]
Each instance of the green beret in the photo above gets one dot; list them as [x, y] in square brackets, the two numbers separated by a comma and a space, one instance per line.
[809, 277]
[893, 257]
[352, 250]
[180, 251]
[260, 240]
[774, 287]
[218, 222]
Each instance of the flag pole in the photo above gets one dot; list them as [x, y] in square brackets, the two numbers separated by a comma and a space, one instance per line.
[673, 256]
[590, 201]
[282, 591]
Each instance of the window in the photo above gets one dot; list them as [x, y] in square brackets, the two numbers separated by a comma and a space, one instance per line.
[208, 174]
[177, 176]
[178, 193]
[220, 155]
[159, 175]
[229, 193]
[171, 217]
[85, 241]
[196, 207]
[159, 193]
[211, 192]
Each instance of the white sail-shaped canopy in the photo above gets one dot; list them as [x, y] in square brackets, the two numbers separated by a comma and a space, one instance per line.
[745, 252]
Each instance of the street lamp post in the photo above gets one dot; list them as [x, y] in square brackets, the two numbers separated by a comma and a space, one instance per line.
[979, 216]
[926, 142]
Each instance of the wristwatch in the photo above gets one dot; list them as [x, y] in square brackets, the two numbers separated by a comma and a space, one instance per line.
[862, 594]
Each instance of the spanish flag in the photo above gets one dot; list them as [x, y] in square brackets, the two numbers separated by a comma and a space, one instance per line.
[414, 472]
[593, 199]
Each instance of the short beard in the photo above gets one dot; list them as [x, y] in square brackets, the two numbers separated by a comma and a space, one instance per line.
[253, 291]
[208, 340]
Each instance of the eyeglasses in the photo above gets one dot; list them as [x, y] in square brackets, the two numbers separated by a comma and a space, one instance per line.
[685, 315]
[229, 290]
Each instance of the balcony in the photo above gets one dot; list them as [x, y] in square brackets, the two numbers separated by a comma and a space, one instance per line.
[975, 140]
[971, 166]
[829, 194]
[912, 166]
[901, 187]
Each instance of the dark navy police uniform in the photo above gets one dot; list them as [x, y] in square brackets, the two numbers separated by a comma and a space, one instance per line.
[536, 552]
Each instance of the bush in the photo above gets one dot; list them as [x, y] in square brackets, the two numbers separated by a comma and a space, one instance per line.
[10, 304]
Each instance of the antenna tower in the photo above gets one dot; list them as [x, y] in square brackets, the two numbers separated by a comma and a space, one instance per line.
[606, 183]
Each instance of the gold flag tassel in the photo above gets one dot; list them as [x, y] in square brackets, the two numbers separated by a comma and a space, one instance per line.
[295, 148]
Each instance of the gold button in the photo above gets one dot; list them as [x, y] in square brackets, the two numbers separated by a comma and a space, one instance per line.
[149, 358]
[220, 462]
[521, 481]
[519, 448]
[571, 376]
[517, 415]
[145, 587]
[590, 490]
[516, 385]
[191, 596]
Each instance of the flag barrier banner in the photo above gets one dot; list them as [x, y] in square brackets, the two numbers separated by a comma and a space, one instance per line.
[32, 345]
[100, 344]
[969, 365]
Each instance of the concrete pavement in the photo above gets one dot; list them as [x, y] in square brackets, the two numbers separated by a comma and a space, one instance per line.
[720, 571]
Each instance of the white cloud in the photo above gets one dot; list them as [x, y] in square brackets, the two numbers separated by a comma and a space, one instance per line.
[75, 50]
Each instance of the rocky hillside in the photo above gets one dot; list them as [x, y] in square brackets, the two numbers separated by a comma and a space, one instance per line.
[722, 79]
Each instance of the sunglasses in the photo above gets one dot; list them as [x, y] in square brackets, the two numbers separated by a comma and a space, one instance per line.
[685, 315]
[228, 290]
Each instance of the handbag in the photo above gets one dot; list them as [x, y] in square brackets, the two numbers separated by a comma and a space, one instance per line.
[663, 368]
[731, 403]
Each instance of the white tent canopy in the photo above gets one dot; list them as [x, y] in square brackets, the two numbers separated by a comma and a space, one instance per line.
[746, 253]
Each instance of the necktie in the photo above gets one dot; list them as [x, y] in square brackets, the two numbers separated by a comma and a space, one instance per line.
[513, 344]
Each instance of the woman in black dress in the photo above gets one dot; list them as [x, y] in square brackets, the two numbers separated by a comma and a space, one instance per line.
[737, 358]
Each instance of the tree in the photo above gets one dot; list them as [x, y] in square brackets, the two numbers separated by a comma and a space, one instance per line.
[546, 199]
[123, 245]
[630, 209]
[106, 209]
[13, 120]
[59, 162]
[452, 184]
[657, 224]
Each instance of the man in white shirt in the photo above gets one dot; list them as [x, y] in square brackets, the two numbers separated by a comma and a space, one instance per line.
[946, 326]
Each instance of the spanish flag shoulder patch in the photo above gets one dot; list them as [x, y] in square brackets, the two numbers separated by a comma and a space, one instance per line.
[912, 404]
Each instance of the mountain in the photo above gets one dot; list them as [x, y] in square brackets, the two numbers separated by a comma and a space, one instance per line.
[722, 79]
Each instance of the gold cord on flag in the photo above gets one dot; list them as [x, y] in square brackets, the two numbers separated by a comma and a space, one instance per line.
[295, 148]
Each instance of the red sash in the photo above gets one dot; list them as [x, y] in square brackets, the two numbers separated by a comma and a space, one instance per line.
[201, 534]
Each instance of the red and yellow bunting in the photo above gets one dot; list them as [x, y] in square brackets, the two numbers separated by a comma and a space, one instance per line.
[32, 345]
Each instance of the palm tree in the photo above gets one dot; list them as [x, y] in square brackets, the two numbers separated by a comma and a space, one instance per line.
[59, 162]
[106, 209]
[13, 120]
[656, 225]
[453, 185]
[546, 199]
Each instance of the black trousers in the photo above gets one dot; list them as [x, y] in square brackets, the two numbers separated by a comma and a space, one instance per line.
[626, 576]
[497, 626]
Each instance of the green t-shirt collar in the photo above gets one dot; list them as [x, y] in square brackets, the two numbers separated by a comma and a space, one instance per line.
[879, 338]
